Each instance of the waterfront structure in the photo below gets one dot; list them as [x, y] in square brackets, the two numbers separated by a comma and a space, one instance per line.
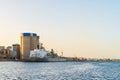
[29, 41]
[9, 51]
[2, 47]
[2, 52]
[16, 51]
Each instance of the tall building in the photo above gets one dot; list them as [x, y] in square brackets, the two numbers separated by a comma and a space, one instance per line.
[29, 41]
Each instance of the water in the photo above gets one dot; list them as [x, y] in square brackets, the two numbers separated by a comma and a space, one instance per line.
[60, 71]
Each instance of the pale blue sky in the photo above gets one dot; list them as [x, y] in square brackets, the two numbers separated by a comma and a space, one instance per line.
[86, 28]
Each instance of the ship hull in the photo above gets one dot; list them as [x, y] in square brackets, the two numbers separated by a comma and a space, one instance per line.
[58, 59]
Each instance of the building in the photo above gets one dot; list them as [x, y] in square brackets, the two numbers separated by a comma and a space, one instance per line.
[9, 51]
[16, 51]
[29, 41]
[2, 47]
[2, 52]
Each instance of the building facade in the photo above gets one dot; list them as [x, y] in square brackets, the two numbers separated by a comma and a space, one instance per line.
[29, 41]
[16, 51]
[2, 47]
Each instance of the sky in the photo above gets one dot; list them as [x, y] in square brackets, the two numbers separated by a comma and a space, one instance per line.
[78, 28]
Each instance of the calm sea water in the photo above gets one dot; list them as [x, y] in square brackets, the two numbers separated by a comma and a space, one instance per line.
[60, 71]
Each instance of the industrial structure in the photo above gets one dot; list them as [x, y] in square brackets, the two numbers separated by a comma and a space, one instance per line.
[29, 41]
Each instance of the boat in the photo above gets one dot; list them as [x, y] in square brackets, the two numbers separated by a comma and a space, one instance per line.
[41, 55]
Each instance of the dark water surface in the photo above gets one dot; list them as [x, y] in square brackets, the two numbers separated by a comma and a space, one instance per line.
[60, 71]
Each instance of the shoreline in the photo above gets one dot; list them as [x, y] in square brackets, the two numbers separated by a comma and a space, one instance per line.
[10, 60]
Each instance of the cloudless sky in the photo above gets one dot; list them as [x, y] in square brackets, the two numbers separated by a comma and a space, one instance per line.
[82, 28]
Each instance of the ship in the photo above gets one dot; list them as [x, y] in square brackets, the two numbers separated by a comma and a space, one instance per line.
[42, 55]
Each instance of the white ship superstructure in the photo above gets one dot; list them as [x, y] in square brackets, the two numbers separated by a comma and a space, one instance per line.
[38, 53]
[43, 55]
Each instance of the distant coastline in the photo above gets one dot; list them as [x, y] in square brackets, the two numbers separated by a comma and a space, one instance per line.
[68, 59]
